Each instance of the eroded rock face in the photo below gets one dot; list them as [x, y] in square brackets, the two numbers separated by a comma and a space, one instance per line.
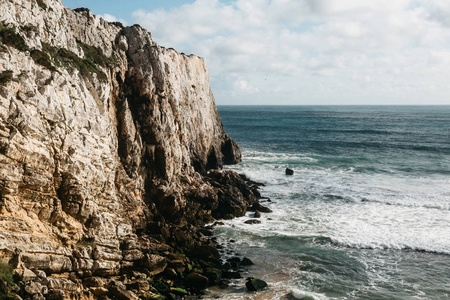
[105, 143]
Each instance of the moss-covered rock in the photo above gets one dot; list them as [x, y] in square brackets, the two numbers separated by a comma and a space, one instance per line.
[179, 291]
[161, 286]
[214, 275]
[196, 281]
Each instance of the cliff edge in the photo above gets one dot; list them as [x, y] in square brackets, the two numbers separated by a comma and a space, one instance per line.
[106, 140]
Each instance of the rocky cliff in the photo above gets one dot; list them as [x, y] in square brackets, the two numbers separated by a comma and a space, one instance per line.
[105, 143]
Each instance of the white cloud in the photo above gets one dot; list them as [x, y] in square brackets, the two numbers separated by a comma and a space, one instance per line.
[111, 18]
[315, 51]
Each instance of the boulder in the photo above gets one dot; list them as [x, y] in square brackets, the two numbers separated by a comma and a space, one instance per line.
[93, 282]
[40, 274]
[214, 275]
[154, 263]
[254, 284]
[161, 286]
[205, 252]
[257, 214]
[33, 288]
[27, 275]
[99, 291]
[289, 171]
[38, 296]
[259, 207]
[132, 255]
[246, 262]
[196, 281]
[122, 294]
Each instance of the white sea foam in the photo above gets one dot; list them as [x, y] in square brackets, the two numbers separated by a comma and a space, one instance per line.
[300, 294]
[378, 211]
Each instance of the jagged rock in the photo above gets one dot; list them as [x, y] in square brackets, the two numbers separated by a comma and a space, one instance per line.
[40, 274]
[33, 288]
[93, 282]
[56, 294]
[99, 291]
[27, 275]
[106, 267]
[38, 296]
[48, 262]
[257, 214]
[259, 207]
[154, 263]
[122, 294]
[140, 284]
[132, 255]
[60, 284]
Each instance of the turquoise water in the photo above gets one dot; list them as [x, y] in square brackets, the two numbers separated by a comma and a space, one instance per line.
[367, 213]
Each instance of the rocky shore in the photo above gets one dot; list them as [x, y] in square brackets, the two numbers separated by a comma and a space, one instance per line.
[110, 147]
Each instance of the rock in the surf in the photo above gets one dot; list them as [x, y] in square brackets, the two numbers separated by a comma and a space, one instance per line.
[252, 221]
[254, 284]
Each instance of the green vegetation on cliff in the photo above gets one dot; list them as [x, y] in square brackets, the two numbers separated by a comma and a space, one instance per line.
[9, 37]
[53, 57]
[6, 281]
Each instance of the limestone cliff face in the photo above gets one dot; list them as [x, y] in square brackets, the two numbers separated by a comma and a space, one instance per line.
[103, 134]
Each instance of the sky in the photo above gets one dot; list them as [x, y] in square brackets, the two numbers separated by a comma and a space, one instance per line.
[304, 52]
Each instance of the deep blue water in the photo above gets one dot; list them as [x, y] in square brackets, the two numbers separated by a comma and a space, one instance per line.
[366, 214]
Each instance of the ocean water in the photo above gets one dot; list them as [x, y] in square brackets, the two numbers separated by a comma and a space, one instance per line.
[366, 214]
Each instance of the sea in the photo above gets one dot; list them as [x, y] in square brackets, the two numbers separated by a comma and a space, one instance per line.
[366, 214]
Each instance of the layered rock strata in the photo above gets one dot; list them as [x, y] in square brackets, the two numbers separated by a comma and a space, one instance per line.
[106, 140]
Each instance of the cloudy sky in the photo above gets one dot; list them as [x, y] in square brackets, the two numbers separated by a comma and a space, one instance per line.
[304, 51]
